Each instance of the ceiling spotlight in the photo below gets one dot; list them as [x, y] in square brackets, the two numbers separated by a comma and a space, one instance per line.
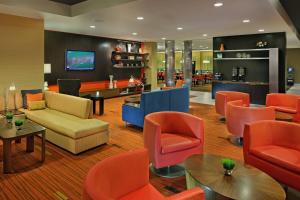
[246, 20]
[92, 26]
[134, 33]
[163, 38]
[218, 4]
[204, 35]
[261, 30]
[140, 18]
[179, 28]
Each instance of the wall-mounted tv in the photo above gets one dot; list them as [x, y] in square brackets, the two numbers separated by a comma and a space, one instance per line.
[79, 60]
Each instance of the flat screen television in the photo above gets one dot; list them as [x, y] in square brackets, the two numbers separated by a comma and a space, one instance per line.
[79, 60]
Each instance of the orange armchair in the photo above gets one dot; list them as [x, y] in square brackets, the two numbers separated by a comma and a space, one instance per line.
[223, 97]
[274, 147]
[171, 137]
[126, 177]
[287, 103]
[238, 114]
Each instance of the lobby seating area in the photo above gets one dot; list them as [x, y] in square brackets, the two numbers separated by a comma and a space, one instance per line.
[149, 100]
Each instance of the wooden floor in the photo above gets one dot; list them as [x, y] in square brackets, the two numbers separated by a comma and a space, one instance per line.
[62, 174]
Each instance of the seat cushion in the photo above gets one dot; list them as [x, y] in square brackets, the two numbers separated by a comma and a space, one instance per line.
[285, 109]
[148, 192]
[173, 142]
[280, 156]
[66, 124]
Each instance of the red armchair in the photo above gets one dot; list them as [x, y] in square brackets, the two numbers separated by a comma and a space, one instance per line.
[238, 114]
[126, 177]
[171, 137]
[287, 103]
[223, 97]
[274, 147]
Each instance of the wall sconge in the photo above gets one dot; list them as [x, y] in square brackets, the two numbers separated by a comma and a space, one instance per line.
[47, 68]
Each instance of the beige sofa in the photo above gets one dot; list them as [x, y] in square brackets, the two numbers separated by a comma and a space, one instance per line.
[69, 122]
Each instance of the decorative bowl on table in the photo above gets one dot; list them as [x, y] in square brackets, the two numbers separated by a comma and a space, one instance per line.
[228, 165]
[9, 117]
[19, 123]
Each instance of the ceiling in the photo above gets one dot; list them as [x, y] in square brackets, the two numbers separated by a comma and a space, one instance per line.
[118, 18]
[69, 2]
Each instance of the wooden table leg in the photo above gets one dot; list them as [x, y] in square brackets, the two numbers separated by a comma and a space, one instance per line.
[94, 106]
[101, 106]
[7, 168]
[43, 153]
[30, 143]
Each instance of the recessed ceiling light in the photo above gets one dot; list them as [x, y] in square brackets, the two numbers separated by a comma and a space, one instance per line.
[261, 30]
[140, 18]
[218, 4]
[163, 38]
[134, 33]
[92, 26]
[204, 35]
[179, 28]
[246, 20]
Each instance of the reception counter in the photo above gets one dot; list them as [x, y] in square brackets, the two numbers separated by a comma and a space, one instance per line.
[256, 90]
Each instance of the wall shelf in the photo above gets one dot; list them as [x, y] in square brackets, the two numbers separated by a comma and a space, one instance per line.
[130, 67]
[240, 50]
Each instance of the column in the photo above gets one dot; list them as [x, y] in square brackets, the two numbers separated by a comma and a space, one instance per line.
[187, 62]
[151, 70]
[170, 62]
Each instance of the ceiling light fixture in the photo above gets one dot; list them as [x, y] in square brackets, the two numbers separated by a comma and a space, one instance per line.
[218, 4]
[140, 18]
[163, 38]
[246, 20]
[204, 35]
[134, 33]
[179, 28]
[92, 26]
[261, 30]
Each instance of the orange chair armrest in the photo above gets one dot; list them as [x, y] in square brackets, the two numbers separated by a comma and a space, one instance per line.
[192, 194]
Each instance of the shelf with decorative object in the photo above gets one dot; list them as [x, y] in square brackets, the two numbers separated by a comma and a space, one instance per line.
[128, 67]
[129, 60]
[240, 50]
[251, 58]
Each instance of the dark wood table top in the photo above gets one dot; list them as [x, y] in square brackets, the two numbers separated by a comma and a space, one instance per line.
[246, 182]
[133, 99]
[8, 131]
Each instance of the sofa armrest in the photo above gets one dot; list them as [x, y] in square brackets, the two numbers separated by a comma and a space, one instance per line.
[192, 194]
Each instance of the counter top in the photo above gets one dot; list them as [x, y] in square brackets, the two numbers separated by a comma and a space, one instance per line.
[239, 82]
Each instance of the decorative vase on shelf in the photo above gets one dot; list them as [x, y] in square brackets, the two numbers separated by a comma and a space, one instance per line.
[111, 86]
[222, 48]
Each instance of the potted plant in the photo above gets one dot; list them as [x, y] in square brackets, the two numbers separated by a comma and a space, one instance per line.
[18, 124]
[9, 117]
[228, 165]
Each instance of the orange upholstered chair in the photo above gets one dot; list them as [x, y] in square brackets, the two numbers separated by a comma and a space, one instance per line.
[274, 147]
[287, 103]
[223, 97]
[171, 137]
[238, 114]
[126, 177]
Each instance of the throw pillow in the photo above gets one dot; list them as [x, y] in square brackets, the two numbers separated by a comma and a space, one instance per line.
[34, 97]
[36, 105]
[25, 92]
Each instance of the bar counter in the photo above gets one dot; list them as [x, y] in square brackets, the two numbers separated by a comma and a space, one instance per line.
[256, 90]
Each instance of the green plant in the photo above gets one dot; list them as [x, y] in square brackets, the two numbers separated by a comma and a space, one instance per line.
[19, 122]
[9, 115]
[228, 164]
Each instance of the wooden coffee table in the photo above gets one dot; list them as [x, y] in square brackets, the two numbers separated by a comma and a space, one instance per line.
[9, 133]
[246, 182]
[281, 116]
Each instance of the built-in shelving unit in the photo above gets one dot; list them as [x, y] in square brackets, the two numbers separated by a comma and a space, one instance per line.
[128, 60]
[252, 58]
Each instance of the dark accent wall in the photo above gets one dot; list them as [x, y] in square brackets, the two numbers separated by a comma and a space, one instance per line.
[56, 44]
[256, 69]
[292, 9]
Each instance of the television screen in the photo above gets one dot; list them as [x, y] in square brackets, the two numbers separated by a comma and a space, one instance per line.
[80, 60]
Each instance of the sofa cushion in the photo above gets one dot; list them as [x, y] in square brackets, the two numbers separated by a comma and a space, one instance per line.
[68, 125]
[173, 142]
[148, 192]
[72, 105]
[36, 105]
[280, 156]
[24, 95]
[285, 109]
